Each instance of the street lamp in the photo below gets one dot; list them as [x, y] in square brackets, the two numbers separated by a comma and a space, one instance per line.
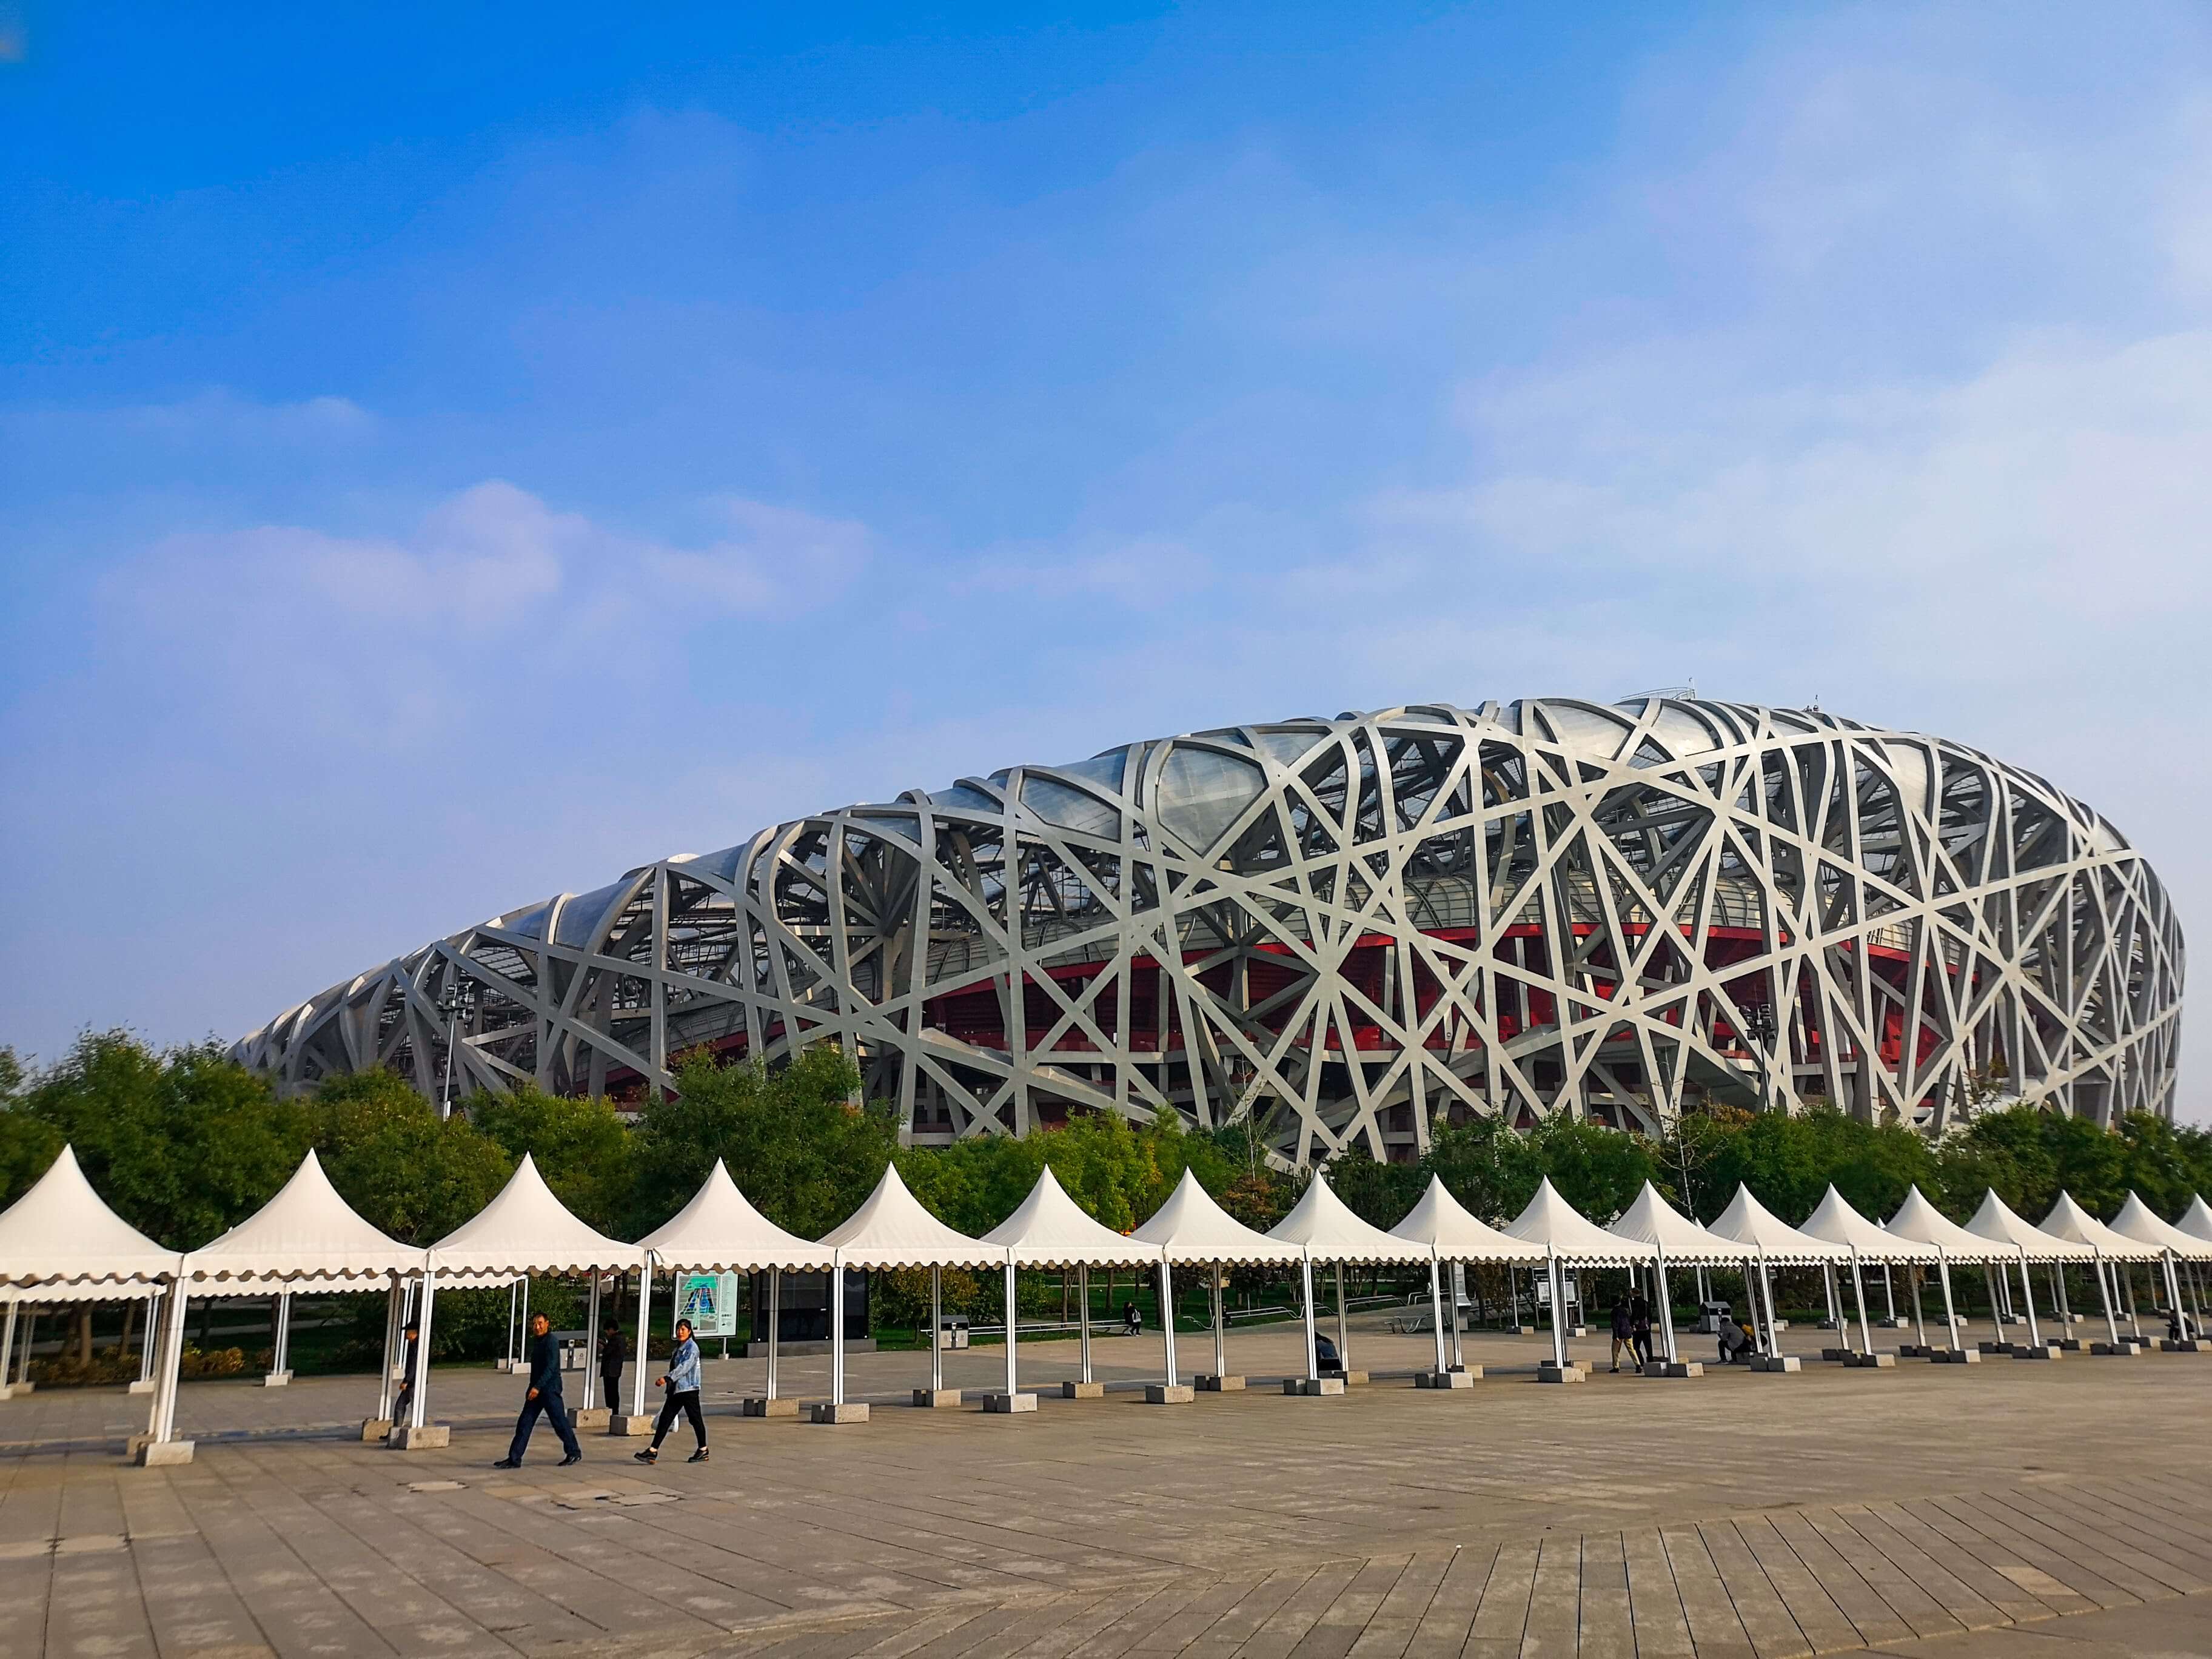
[459, 1001]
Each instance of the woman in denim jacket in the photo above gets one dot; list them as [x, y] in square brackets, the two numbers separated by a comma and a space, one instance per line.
[682, 1385]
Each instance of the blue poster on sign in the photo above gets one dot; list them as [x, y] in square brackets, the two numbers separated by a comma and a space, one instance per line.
[709, 1301]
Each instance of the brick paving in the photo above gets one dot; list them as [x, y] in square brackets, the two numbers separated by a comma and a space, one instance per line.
[1733, 1515]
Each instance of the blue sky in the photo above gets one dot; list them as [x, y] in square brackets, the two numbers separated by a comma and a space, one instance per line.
[449, 455]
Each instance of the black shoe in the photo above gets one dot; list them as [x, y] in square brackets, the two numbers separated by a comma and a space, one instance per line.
[508, 1463]
[648, 1455]
[699, 1457]
[573, 1457]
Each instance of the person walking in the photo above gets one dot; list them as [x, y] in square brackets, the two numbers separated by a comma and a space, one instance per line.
[1639, 1331]
[614, 1348]
[1623, 1333]
[414, 1335]
[544, 1399]
[682, 1385]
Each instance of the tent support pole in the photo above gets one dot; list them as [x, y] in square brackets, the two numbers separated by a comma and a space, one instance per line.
[1665, 1300]
[1343, 1330]
[279, 1360]
[1458, 1362]
[2173, 1295]
[1305, 1278]
[1082, 1317]
[2058, 1292]
[7, 1340]
[1559, 1295]
[1919, 1324]
[1167, 1320]
[1858, 1290]
[2128, 1279]
[774, 1323]
[145, 1337]
[164, 1424]
[1436, 1309]
[1828, 1284]
[415, 1414]
[2028, 1302]
[1221, 1323]
[2105, 1291]
[1950, 1313]
[644, 1330]
[1013, 1327]
[936, 1329]
[513, 1297]
[590, 1343]
[1766, 1295]
[391, 1337]
[836, 1338]
[1888, 1297]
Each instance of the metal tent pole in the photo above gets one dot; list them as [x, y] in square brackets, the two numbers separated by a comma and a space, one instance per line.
[1919, 1324]
[1436, 1309]
[8, 1343]
[2128, 1279]
[1167, 1320]
[1083, 1318]
[1305, 1281]
[1666, 1308]
[1828, 1284]
[282, 1346]
[1559, 1295]
[1220, 1336]
[146, 1343]
[1858, 1291]
[1951, 1337]
[390, 1339]
[837, 1338]
[644, 1332]
[1458, 1361]
[1013, 1327]
[2105, 1291]
[1343, 1330]
[1888, 1297]
[164, 1424]
[1766, 1294]
[936, 1329]
[416, 1414]
[774, 1323]
[2027, 1301]
[591, 1344]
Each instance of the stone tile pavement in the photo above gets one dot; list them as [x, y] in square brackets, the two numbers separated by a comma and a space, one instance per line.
[1931, 1508]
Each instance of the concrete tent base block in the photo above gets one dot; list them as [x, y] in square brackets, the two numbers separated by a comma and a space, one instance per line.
[1836, 1356]
[2122, 1348]
[1780, 1364]
[1830, 1325]
[142, 1385]
[431, 1436]
[1956, 1356]
[1896, 1323]
[1006, 1405]
[1885, 1362]
[1677, 1368]
[1083, 1391]
[852, 1411]
[2166, 1344]
[375, 1428]
[507, 1365]
[1220, 1384]
[1578, 1330]
[1913, 1351]
[2070, 1344]
[1525, 1330]
[1547, 1372]
[937, 1400]
[1444, 1380]
[1781, 1324]
[762, 1405]
[1994, 1348]
[591, 1419]
[163, 1454]
[1167, 1394]
[1313, 1385]
[630, 1425]
[17, 1391]
[2035, 1351]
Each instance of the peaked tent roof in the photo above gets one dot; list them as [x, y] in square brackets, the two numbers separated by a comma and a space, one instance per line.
[2068, 1219]
[1442, 1223]
[528, 1230]
[1051, 1230]
[1997, 1219]
[1653, 1220]
[1569, 1235]
[61, 1233]
[1835, 1220]
[306, 1231]
[1918, 1219]
[891, 1229]
[2139, 1221]
[1747, 1221]
[1324, 1227]
[720, 1231]
[1191, 1227]
[2197, 1219]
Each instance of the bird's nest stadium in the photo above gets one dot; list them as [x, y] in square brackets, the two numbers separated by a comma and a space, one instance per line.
[1352, 931]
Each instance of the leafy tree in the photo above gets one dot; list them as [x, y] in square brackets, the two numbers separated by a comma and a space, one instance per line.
[1374, 1191]
[386, 1151]
[581, 1147]
[1598, 1171]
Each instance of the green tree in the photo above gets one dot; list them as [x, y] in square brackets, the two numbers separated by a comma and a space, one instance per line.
[581, 1147]
[1374, 1191]
[386, 1151]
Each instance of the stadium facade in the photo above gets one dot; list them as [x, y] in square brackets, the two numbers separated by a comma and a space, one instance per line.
[1354, 930]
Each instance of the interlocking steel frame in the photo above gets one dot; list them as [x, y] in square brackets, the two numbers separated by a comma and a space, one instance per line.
[1354, 929]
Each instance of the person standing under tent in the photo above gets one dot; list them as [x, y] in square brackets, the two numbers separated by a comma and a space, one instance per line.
[1624, 1335]
[1132, 1318]
[414, 1337]
[614, 1348]
[682, 1385]
[543, 1398]
[1639, 1331]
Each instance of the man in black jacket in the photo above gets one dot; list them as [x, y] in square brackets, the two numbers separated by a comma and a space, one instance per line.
[544, 1397]
[613, 1350]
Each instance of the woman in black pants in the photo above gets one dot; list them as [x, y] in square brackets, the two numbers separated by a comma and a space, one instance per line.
[682, 1385]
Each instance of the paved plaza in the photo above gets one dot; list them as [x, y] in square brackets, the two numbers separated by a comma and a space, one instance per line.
[2001, 1508]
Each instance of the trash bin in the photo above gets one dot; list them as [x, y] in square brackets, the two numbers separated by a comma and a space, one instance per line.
[575, 1350]
[1710, 1316]
[952, 1331]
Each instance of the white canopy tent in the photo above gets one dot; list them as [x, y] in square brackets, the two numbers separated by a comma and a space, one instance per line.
[1051, 1230]
[719, 1231]
[2197, 1219]
[1570, 1239]
[305, 1234]
[1191, 1230]
[1675, 1237]
[1324, 1230]
[1452, 1234]
[891, 1229]
[525, 1230]
[1997, 1221]
[1771, 1241]
[1835, 1220]
[2068, 1220]
[2137, 1220]
[1917, 1217]
[60, 1240]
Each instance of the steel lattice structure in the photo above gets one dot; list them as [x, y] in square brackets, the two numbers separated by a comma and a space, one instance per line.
[1354, 929]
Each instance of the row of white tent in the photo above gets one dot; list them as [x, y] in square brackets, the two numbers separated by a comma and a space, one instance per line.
[61, 1242]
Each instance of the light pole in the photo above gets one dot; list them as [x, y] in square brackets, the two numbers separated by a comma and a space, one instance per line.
[459, 999]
